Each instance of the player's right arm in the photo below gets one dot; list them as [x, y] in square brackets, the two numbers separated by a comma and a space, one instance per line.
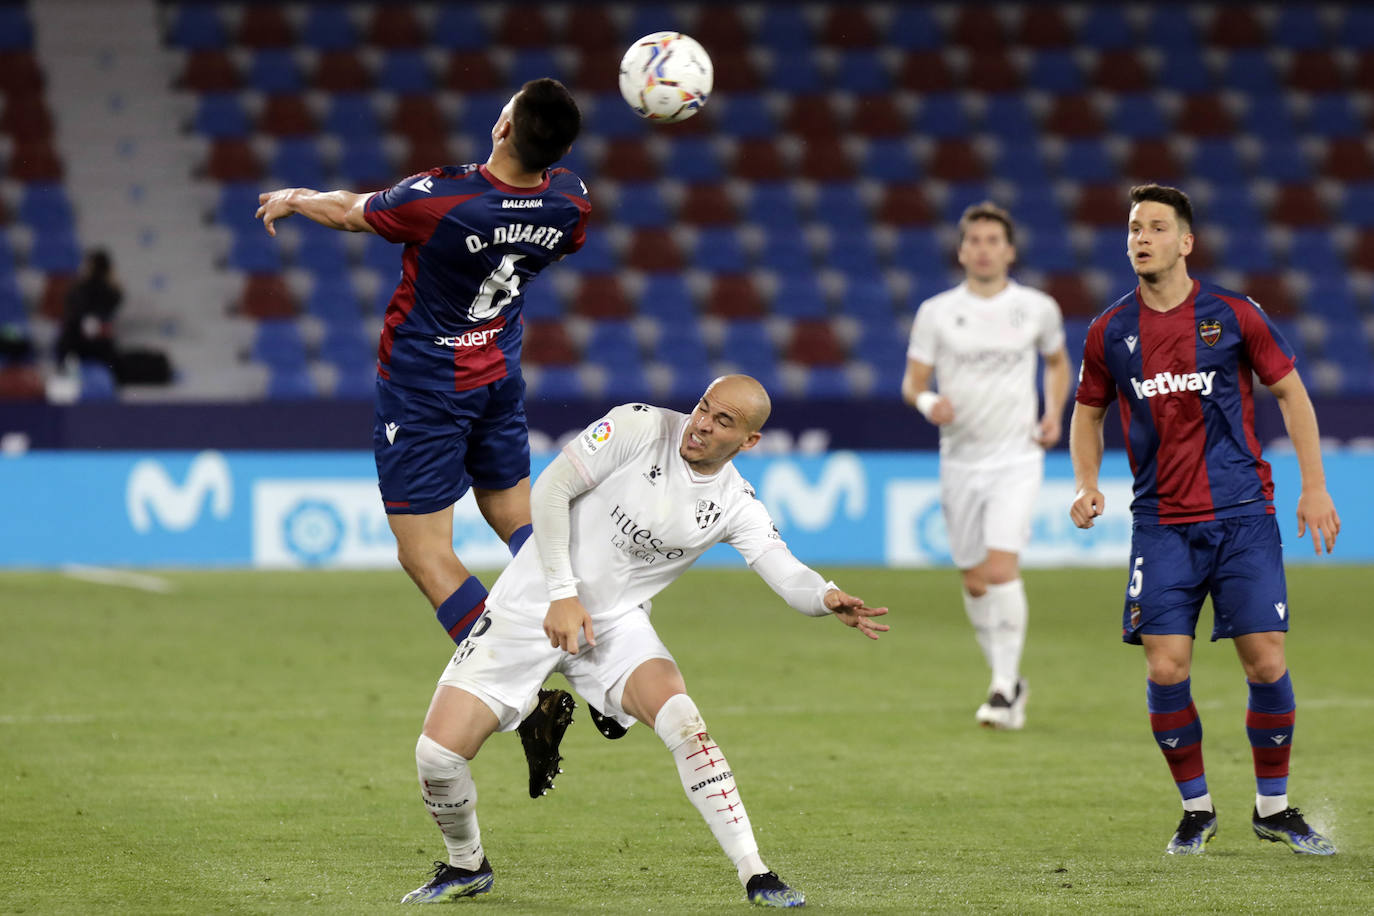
[916, 392]
[336, 209]
[1085, 448]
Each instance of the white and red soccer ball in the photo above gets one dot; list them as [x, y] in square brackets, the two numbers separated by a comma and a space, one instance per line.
[666, 77]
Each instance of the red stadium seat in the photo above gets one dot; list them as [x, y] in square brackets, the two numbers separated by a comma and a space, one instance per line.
[824, 159]
[1043, 27]
[523, 26]
[734, 296]
[811, 115]
[210, 71]
[877, 116]
[925, 71]
[1235, 27]
[1121, 71]
[848, 26]
[26, 117]
[471, 71]
[20, 73]
[286, 116]
[735, 73]
[35, 160]
[814, 343]
[991, 70]
[1316, 71]
[707, 205]
[1072, 294]
[267, 296]
[53, 303]
[629, 159]
[1273, 294]
[1151, 160]
[1361, 255]
[1364, 71]
[393, 25]
[265, 26]
[721, 30]
[905, 205]
[653, 249]
[590, 29]
[1205, 115]
[592, 74]
[955, 159]
[341, 71]
[417, 117]
[1298, 205]
[758, 159]
[1074, 116]
[1348, 159]
[546, 343]
[601, 296]
[232, 159]
[1100, 205]
[424, 154]
[21, 383]
[978, 27]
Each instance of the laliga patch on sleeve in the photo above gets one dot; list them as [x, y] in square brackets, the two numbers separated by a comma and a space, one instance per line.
[597, 435]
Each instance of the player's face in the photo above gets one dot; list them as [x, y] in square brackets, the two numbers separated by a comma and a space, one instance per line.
[985, 253]
[1155, 240]
[716, 431]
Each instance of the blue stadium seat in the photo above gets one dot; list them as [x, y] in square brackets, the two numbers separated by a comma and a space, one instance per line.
[784, 250]
[1087, 159]
[1047, 251]
[274, 70]
[278, 344]
[744, 114]
[1009, 118]
[577, 163]
[1331, 297]
[1313, 250]
[627, 381]
[1183, 69]
[882, 342]
[666, 297]
[1357, 30]
[1298, 28]
[746, 343]
[363, 164]
[1021, 164]
[349, 347]
[1038, 209]
[55, 251]
[640, 204]
[645, 20]
[327, 27]
[457, 27]
[1333, 114]
[1105, 28]
[255, 252]
[961, 196]
[839, 206]
[890, 159]
[220, 114]
[913, 28]
[45, 206]
[1055, 71]
[798, 295]
[532, 64]
[862, 72]
[195, 27]
[827, 383]
[1170, 28]
[382, 256]
[853, 254]
[611, 340]
[322, 251]
[333, 299]
[694, 160]
[596, 256]
[1357, 206]
[296, 162]
[609, 117]
[1138, 115]
[1269, 117]
[918, 250]
[868, 299]
[1231, 207]
[1107, 252]
[540, 300]
[405, 71]
[97, 382]
[559, 383]
[773, 205]
[942, 114]
[482, 109]
[236, 205]
[13, 313]
[351, 115]
[1284, 161]
[784, 30]
[290, 384]
[719, 249]
[683, 351]
[1248, 70]
[796, 73]
[1218, 160]
[357, 383]
[1248, 249]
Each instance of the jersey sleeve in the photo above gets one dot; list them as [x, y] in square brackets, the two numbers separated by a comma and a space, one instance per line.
[1050, 336]
[409, 210]
[578, 236]
[751, 529]
[613, 440]
[1096, 387]
[1269, 353]
[921, 347]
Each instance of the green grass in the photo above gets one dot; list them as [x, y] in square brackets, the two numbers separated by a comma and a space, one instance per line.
[244, 744]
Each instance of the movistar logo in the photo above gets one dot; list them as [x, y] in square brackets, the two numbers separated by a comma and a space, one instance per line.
[1172, 382]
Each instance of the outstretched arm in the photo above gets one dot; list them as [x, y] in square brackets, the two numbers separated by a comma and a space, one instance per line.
[1085, 448]
[550, 501]
[335, 209]
[804, 589]
[1056, 393]
[1315, 507]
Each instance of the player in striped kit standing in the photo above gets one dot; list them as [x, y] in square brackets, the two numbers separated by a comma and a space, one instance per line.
[1178, 356]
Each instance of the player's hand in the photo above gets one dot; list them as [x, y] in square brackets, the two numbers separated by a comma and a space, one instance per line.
[942, 412]
[1088, 504]
[272, 206]
[852, 612]
[1049, 431]
[566, 617]
[1316, 509]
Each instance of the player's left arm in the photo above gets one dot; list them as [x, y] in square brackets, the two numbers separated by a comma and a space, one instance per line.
[1056, 393]
[336, 209]
[1315, 506]
[805, 590]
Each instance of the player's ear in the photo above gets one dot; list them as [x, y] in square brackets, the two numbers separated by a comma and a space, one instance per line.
[751, 440]
[1185, 244]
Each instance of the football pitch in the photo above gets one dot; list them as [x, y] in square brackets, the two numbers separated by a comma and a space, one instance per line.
[244, 743]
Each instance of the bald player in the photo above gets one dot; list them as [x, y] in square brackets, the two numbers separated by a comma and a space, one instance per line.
[621, 512]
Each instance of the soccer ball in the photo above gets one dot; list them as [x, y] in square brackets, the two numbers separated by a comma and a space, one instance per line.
[666, 77]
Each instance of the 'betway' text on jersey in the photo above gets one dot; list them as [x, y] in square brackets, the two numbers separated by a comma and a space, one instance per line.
[1170, 382]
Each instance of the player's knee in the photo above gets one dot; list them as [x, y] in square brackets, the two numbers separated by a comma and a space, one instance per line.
[434, 761]
[974, 583]
[678, 720]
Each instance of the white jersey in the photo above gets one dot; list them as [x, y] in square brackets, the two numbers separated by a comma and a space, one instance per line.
[646, 518]
[983, 352]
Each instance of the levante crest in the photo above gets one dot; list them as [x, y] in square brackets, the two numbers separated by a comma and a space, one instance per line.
[1209, 331]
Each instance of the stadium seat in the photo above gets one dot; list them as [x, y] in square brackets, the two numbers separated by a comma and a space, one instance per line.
[1042, 27]
[925, 71]
[1234, 27]
[1249, 70]
[292, 383]
[266, 296]
[470, 71]
[278, 344]
[265, 26]
[97, 382]
[286, 116]
[275, 70]
[955, 160]
[328, 27]
[718, 248]
[694, 160]
[747, 343]
[1087, 159]
[333, 299]
[1055, 71]
[1121, 72]
[862, 72]
[601, 296]
[798, 296]
[1152, 160]
[195, 26]
[1298, 28]
[992, 70]
[341, 72]
[1138, 115]
[813, 342]
[351, 115]
[220, 114]
[393, 27]
[942, 115]
[827, 383]
[734, 296]
[546, 343]
[1183, 70]
[210, 70]
[1106, 28]
[977, 27]
[666, 297]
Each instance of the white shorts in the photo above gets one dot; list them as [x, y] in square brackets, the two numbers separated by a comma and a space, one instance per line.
[989, 509]
[504, 664]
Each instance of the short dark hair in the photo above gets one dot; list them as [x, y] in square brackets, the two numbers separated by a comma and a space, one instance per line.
[989, 211]
[545, 121]
[1171, 197]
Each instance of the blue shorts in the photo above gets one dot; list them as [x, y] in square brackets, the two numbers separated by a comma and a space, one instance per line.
[431, 446]
[1238, 561]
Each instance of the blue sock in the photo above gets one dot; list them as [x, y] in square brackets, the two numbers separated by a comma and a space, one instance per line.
[518, 539]
[461, 609]
[1178, 732]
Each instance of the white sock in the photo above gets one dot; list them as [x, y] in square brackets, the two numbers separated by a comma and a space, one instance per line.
[450, 795]
[1202, 803]
[1267, 805]
[979, 611]
[709, 783]
[1009, 614]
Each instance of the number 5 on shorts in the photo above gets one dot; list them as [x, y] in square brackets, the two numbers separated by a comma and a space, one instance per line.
[1137, 579]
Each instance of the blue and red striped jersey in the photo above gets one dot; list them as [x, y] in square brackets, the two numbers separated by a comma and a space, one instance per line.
[1183, 382]
[471, 243]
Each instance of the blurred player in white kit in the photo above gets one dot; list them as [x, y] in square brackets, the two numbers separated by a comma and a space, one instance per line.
[979, 341]
[619, 514]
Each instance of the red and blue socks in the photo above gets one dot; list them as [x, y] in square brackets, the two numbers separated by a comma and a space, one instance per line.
[460, 610]
[1178, 732]
[1269, 719]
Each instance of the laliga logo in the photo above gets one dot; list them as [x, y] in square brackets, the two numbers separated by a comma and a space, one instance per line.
[786, 492]
[151, 492]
